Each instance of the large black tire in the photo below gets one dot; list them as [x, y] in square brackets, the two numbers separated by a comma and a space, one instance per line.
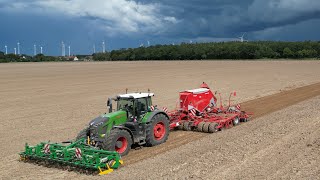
[82, 134]
[157, 130]
[118, 140]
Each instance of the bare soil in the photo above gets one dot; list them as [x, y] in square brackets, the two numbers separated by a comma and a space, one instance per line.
[53, 101]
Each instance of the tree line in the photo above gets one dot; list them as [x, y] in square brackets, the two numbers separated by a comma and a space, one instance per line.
[213, 50]
[25, 58]
[195, 51]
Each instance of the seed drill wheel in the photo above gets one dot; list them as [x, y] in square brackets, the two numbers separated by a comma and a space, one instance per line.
[180, 127]
[236, 121]
[213, 127]
[186, 126]
[157, 130]
[243, 119]
[205, 127]
[200, 126]
[118, 140]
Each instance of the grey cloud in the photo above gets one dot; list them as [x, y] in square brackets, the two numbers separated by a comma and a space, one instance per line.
[190, 19]
[230, 18]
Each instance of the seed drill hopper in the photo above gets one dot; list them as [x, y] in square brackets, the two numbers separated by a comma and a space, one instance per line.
[78, 156]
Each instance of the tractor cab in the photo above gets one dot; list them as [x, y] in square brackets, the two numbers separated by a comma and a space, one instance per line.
[135, 104]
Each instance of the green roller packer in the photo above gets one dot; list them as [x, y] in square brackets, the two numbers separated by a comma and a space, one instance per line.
[77, 154]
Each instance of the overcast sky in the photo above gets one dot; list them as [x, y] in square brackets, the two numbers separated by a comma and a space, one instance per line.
[122, 23]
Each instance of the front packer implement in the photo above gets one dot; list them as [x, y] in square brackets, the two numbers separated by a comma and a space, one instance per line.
[76, 156]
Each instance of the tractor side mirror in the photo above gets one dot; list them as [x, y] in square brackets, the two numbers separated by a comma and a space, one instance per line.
[109, 104]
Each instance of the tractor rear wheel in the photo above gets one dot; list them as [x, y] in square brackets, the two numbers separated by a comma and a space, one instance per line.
[213, 127]
[157, 130]
[200, 126]
[118, 140]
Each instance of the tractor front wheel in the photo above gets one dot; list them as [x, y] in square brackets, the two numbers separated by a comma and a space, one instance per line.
[82, 134]
[157, 130]
[118, 140]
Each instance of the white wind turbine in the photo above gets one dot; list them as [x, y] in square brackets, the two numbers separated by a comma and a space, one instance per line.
[6, 48]
[242, 38]
[63, 49]
[103, 47]
[15, 51]
[34, 49]
[69, 50]
[41, 52]
[148, 43]
[18, 48]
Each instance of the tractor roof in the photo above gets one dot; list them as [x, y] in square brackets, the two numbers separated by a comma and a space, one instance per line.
[135, 95]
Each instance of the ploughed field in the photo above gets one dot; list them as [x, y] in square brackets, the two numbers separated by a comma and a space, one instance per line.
[53, 101]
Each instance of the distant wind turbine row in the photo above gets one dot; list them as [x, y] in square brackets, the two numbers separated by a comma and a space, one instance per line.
[63, 47]
[17, 51]
[142, 45]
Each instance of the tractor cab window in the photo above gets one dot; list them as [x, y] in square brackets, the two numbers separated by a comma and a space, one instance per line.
[149, 101]
[141, 106]
[126, 105]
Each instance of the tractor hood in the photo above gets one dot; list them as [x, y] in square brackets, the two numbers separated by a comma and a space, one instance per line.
[98, 121]
[118, 117]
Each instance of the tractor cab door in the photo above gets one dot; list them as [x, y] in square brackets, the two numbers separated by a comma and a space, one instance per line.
[141, 107]
[128, 106]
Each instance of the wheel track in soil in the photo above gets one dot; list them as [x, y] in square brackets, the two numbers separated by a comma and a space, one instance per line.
[260, 107]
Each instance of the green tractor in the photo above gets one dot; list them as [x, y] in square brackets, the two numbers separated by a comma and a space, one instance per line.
[134, 122]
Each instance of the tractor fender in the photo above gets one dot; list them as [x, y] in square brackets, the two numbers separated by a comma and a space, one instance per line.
[125, 128]
[155, 113]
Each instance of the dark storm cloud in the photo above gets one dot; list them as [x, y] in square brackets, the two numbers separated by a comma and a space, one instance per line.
[202, 18]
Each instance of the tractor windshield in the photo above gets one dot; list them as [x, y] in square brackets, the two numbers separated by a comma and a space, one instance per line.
[125, 104]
